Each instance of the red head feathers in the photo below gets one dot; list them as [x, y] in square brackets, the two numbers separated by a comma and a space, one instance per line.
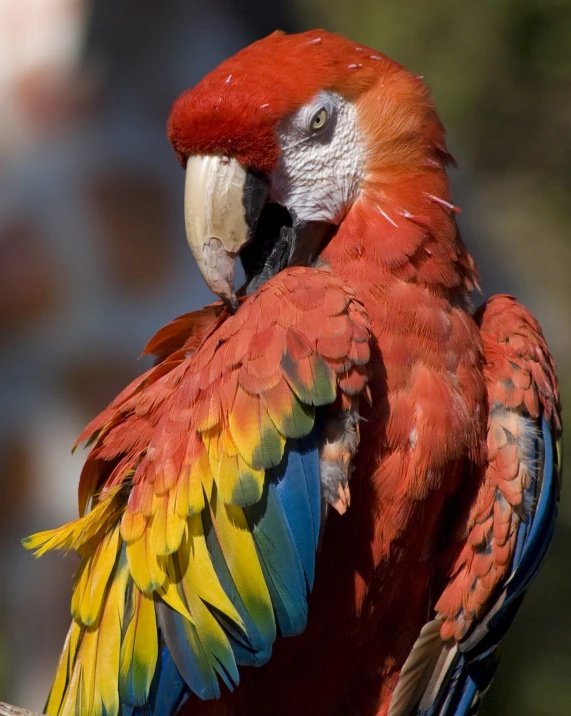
[229, 113]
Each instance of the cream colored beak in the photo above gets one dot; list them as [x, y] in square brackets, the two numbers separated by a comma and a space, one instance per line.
[215, 219]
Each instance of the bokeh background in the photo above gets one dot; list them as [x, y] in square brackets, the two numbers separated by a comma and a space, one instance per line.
[93, 257]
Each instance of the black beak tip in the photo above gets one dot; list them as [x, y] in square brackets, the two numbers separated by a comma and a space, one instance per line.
[231, 302]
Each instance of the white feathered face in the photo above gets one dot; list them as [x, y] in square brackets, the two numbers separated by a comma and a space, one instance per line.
[320, 167]
[281, 218]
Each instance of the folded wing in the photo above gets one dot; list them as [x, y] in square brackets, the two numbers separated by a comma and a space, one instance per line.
[206, 502]
[509, 526]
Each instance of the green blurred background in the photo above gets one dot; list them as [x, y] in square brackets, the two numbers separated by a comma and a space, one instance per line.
[93, 256]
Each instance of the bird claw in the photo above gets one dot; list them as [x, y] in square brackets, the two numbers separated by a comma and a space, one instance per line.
[341, 441]
[344, 499]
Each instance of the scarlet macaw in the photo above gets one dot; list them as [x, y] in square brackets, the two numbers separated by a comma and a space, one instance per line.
[343, 450]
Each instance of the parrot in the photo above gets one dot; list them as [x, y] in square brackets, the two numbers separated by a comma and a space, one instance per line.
[332, 489]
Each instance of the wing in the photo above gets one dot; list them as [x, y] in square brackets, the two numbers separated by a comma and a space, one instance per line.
[204, 480]
[509, 526]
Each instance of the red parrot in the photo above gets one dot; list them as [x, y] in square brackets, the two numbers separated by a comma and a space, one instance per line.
[341, 452]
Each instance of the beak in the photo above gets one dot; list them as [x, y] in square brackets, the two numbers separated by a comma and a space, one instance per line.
[222, 202]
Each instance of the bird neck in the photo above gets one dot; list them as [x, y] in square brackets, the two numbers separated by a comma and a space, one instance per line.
[403, 229]
[399, 250]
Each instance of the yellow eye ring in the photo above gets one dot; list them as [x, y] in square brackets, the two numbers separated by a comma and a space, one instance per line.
[319, 119]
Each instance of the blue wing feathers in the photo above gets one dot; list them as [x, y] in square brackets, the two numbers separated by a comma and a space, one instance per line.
[464, 687]
[284, 533]
[308, 452]
[472, 671]
[542, 521]
[280, 562]
[186, 652]
[254, 650]
[469, 692]
[285, 526]
[167, 693]
[296, 479]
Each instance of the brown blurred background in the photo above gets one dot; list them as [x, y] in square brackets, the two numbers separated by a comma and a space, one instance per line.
[93, 257]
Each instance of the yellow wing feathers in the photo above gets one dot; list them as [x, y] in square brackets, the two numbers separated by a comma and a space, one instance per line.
[184, 451]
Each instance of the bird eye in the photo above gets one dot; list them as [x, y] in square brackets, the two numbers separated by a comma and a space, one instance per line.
[319, 119]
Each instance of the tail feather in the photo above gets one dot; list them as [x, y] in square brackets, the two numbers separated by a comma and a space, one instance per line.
[417, 670]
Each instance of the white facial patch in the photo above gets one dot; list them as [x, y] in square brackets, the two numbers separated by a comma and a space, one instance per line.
[320, 167]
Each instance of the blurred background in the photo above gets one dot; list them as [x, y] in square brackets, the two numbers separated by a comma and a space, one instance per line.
[93, 257]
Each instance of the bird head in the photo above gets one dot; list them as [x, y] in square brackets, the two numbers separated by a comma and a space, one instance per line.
[281, 140]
